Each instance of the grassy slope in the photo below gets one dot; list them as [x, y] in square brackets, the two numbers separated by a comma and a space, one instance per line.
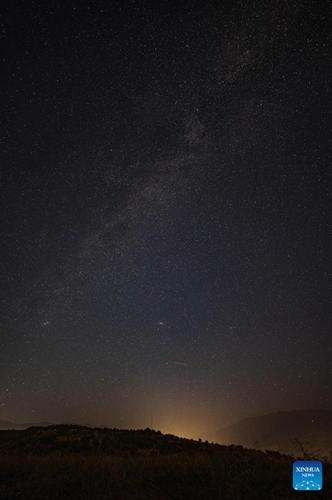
[72, 462]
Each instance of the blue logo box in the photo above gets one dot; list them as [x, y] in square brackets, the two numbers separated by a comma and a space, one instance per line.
[307, 475]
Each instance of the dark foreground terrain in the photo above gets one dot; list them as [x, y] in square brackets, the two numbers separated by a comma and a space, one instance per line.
[71, 462]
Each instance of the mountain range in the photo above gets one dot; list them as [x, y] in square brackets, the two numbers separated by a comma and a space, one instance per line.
[290, 432]
[7, 425]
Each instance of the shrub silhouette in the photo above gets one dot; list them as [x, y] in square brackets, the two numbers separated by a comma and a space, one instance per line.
[67, 462]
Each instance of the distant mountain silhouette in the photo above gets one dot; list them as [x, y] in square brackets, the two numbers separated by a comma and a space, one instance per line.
[6, 425]
[277, 432]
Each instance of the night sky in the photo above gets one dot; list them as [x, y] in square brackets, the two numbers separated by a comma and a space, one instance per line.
[166, 200]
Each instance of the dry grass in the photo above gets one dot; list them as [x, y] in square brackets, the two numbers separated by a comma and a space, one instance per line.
[84, 464]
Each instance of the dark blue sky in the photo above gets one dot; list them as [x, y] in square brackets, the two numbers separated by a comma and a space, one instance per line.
[165, 213]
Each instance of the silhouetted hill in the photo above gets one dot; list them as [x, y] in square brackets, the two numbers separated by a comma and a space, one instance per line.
[71, 461]
[277, 431]
[5, 425]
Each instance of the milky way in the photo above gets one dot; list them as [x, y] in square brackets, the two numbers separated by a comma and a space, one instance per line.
[165, 213]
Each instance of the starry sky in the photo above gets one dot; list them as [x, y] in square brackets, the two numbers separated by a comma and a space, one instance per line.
[165, 212]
